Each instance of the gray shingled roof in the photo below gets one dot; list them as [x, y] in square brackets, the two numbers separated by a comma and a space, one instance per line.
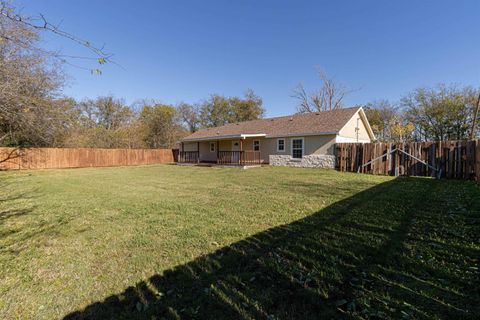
[326, 122]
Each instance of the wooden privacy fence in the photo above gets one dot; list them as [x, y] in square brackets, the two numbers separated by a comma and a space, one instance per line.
[53, 158]
[445, 159]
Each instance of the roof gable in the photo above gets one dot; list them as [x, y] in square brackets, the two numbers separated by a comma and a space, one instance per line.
[326, 122]
[352, 124]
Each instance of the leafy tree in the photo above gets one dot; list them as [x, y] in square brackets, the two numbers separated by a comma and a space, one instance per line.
[109, 112]
[382, 115]
[440, 113]
[29, 82]
[216, 111]
[161, 126]
[219, 110]
[248, 108]
[189, 115]
[105, 122]
[32, 113]
[100, 137]
[402, 131]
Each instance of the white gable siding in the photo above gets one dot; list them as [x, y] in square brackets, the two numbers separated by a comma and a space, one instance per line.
[349, 134]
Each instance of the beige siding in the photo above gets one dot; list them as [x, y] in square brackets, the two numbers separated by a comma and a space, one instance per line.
[268, 146]
[324, 144]
[348, 130]
[320, 144]
[225, 145]
[206, 154]
[189, 146]
[204, 146]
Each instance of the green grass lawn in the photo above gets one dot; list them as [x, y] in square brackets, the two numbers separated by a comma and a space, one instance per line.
[175, 242]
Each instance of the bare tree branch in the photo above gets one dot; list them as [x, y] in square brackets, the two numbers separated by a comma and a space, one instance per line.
[330, 96]
[13, 154]
[40, 23]
[301, 95]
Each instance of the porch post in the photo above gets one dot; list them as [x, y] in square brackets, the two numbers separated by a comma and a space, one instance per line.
[198, 151]
[218, 150]
[181, 156]
[241, 152]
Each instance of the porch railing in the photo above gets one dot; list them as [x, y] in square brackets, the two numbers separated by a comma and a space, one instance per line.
[188, 157]
[239, 157]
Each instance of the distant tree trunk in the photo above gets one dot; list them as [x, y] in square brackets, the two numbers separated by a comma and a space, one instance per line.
[474, 120]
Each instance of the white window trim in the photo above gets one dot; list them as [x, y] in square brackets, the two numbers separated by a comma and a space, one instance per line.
[214, 147]
[303, 146]
[284, 144]
[253, 145]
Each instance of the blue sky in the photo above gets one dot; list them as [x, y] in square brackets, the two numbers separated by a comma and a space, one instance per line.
[185, 50]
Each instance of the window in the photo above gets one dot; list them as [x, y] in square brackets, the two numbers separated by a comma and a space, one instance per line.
[297, 148]
[212, 146]
[281, 145]
[256, 145]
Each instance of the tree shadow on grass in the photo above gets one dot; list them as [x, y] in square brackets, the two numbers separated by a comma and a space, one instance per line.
[19, 223]
[359, 257]
[10, 203]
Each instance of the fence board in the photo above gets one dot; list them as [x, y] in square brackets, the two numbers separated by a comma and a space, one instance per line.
[455, 159]
[53, 158]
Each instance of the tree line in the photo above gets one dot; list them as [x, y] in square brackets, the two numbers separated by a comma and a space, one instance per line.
[108, 122]
[33, 111]
[442, 112]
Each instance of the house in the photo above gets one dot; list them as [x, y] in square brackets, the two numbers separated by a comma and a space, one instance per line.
[303, 140]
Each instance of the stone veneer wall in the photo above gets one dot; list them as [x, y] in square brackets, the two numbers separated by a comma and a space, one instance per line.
[309, 161]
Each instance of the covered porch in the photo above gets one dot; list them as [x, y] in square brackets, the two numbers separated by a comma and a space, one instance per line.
[232, 151]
